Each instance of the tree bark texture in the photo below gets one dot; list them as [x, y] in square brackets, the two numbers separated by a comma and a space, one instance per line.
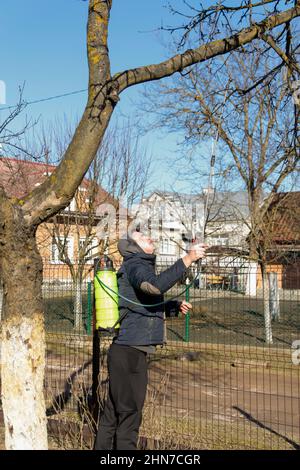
[266, 305]
[23, 337]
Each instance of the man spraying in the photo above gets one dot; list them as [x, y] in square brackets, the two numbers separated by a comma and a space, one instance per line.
[141, 330]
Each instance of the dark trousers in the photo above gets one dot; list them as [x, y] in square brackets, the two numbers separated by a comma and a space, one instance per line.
[120, 422]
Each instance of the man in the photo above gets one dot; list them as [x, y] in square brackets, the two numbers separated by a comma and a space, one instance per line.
[141, 330]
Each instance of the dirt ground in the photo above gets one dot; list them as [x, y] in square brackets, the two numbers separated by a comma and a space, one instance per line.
[237, 405]
[209, 400]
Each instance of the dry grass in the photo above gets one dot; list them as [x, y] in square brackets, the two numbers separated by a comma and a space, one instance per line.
[2, 440]
[171, 434]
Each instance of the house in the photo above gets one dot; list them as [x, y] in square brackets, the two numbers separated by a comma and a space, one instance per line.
[172, 217]
[282, 225]
[227, 219]
[73, 229]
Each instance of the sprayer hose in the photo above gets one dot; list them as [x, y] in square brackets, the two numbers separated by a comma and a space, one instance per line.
[104, 286]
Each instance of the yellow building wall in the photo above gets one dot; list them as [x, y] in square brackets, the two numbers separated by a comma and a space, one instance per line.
[53, 270]
[271, 268]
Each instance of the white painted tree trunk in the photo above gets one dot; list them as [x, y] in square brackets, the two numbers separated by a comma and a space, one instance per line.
[22, 380]
[23, 336]
[266, 304]
[274, 299]
[78, 323]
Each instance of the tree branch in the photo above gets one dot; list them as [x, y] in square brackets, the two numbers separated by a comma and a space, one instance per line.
[192, 56]
[56, 192]
[293, 66]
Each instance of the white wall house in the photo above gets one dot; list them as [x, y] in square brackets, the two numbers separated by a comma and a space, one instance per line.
[169, 216]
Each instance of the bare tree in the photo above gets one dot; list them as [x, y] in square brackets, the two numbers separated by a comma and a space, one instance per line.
[23, 338]
[259, 130]
[121, 166]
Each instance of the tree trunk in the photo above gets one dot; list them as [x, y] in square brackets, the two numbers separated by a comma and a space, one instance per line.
[23, 336]
[274, 299]
[266, 303]
[78, 323]
[1, 299]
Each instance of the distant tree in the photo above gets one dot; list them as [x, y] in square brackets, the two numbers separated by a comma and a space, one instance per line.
[258, 127]
[122, 167]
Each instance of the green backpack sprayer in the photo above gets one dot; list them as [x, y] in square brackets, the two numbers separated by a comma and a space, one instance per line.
[106, 295]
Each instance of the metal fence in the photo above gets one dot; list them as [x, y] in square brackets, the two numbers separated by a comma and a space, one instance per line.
[217, 384]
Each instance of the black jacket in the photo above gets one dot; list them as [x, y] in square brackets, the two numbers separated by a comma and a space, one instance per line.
[137, 280]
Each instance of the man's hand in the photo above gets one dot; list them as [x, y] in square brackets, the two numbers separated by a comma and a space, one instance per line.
[196, 252]
[185, 307]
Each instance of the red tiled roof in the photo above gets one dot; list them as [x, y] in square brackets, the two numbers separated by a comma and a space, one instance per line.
[19, 177]
[284, 217]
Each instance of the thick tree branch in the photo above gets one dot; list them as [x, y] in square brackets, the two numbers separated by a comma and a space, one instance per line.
[273, 168]
[57, 190]
[97, 48]
[193, 56]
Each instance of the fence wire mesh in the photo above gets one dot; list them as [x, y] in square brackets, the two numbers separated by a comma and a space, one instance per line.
[217, 384]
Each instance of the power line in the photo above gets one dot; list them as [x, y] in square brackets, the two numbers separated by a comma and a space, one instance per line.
[26, 103]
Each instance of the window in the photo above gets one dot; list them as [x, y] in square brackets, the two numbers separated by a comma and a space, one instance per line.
[167, 247]
[68, 243]
[220, 240]
[73, 205]
[91, 249]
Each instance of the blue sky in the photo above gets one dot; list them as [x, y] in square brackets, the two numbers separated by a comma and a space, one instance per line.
[43, 45]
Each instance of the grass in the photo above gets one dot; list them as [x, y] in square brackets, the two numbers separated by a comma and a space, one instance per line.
[219, 319]
[237, 320]
[182, 434]
[59, 313]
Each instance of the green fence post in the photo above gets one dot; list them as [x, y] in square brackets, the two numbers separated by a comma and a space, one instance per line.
[187, 316]
[90, 309]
